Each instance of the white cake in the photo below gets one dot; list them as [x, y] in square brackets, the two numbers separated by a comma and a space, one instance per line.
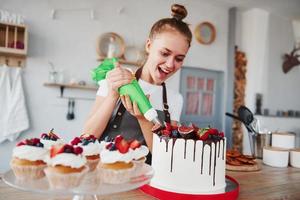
[188, 166]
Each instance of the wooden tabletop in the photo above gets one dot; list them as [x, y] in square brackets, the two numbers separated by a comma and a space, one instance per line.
[268, 184]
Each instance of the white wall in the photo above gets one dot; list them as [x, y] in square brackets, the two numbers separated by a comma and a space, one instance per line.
[265, 37]
[69, 42]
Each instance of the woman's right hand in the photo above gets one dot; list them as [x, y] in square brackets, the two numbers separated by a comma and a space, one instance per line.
[118, 77]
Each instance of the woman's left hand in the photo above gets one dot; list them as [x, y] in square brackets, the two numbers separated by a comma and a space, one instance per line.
[131, 107]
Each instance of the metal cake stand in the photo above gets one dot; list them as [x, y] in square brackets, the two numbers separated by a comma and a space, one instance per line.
[88, 188]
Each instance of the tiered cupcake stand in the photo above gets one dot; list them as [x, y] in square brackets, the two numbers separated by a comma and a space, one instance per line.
[87, 189]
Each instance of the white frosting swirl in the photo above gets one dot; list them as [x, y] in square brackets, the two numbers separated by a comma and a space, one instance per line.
[67, 159]
[92, 148]
[140, 152]
[115, 156]
[48, 143]
[31, 153]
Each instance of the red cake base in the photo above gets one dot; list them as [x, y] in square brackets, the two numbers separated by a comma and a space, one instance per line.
[232, 194]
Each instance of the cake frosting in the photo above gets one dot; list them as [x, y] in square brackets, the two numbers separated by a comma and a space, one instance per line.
[50, 139]
[140, 152]
[31, 153]
[91, 148]
[108, 156]
[190, 161]
[67, 159]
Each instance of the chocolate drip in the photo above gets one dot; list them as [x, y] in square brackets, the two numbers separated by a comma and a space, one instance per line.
[210, 158]
[172, 153]
[194, 156]
[202, 155]
[219, 144]
[215, 163]
[223, 148]
[184, 155]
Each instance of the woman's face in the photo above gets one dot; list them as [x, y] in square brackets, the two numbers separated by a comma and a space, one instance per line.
[166, 51]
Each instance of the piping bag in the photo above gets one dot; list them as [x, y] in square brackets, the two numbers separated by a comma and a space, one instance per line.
[133, 90]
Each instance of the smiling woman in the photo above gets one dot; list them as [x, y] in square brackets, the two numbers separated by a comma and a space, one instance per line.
[168, 43]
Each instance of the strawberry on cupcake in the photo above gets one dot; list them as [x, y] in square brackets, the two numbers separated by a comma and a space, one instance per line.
[116, 164]
[66, 166]
[28, 159]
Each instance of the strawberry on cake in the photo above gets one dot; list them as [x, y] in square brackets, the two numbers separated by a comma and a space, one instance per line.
[91, 149]
[66, 166]
[28, 159]
[188, 159]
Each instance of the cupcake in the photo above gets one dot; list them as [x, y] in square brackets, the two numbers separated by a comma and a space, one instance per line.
[139, 154]
[91, 149]
[116, 165]
[66, 166]
[49, 139]
[28, 159]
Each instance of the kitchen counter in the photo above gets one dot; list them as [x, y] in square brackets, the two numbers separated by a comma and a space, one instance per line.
[269, 183]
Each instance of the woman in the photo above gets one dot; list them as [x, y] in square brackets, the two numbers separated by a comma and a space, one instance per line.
[167, 46]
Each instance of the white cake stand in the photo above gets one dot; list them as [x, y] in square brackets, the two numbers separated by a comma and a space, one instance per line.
[85, 189]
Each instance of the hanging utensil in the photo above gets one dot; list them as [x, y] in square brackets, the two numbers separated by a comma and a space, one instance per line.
[72, 115]
[69, 116]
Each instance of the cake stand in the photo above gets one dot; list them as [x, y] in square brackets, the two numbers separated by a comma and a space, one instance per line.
[231, 192]
[87, 188]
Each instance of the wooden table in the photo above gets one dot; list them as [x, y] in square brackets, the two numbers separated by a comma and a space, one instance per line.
[268, 184]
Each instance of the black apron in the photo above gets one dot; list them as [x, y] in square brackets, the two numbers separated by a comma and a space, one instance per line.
[125, 124]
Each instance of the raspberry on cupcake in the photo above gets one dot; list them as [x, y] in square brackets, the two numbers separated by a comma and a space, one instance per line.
[28, 159]
[49, 139]
[66, 166]
[116, 164]
[91, 149]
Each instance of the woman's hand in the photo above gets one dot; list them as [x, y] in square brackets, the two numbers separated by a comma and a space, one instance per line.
[117, 78]
[132, 107]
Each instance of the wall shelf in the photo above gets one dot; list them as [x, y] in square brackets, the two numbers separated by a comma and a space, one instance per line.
[72, 86]
[13, 44]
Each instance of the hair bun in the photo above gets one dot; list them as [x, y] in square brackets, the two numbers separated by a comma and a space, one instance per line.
[178, 11]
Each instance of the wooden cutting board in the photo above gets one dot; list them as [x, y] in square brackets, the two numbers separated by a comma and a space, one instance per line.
[245, 168]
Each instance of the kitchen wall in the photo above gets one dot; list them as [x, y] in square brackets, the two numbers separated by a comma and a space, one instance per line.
[68, 41]
[265, 38]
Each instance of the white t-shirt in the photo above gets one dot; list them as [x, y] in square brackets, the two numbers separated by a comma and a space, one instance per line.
[175, 100]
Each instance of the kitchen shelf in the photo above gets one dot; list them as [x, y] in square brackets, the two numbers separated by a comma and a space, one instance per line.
[13, 44]
[72, 86]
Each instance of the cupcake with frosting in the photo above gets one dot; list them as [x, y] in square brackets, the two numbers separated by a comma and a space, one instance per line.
[66, 166]
[50, 139]
[139, 154]
[116, 164]
[91, 149]
[28, 159]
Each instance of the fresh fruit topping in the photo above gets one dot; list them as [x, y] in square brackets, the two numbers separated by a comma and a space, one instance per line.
[185, 129]
[78, 150]
[49, 136]
[134, 144]
[56, 149]
[21, 143]
[109, 145]
[75, 141]
[175, 133]
[88, 137]
[168, 127]
[121, 144]
[195, 127]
